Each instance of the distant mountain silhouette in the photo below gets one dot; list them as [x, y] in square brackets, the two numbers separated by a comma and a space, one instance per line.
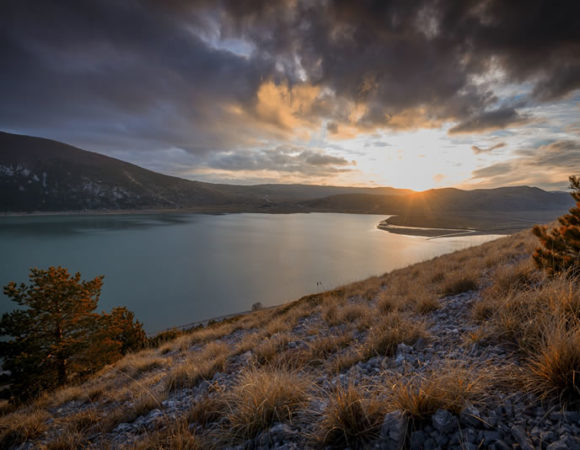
[39, 174]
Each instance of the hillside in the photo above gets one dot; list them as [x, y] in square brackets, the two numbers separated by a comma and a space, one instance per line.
[475, 349]
[42, 175]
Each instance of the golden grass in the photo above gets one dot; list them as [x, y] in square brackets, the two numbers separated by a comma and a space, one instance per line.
[538, 316]
[136, 364]
[22, 426]
[449, 388]
[352, 418]
[554, 371]
[262, 397]
[208, 410]
[426, 302]
[175, 436]
[394, 329]
[198, 366]
[270, 348]
[192, 371]
[66, 440]
[346, 360]
[459, 284]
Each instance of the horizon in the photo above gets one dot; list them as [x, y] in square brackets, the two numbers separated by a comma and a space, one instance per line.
[431, 95]
[240, 183]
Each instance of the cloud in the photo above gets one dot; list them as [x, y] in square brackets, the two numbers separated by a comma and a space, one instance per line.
[560, 154]
[493, 170]
[212, 77]
[547, 164]
[489, 121]
[286, 158]
[477, 150]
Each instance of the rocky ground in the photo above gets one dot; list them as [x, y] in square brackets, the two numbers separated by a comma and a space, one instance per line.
[505, 420]
[327, 340]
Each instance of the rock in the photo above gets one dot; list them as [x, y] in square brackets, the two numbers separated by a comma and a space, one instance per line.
[123, 428]
[420, 344]
[491, 436]
[417, 440]
[393, 430]
[499, 445]
[404, 348]
[282, 433]
[278, 434]
[430, 444]
[521, 438]
[548, 436]
[246, 358]
[470, 416]
[571, 416]
[491, 420]
[568, 442]
[443, 421]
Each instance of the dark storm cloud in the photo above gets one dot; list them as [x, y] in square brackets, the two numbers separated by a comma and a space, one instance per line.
[489, 121]
[107, 71]
[118, 68]
[284, 159]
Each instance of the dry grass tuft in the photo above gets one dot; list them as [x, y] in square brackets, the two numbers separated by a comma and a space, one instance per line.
[270, 348]
[136, 364]
[263, 397]
[555, 370]
[395, 329]
[198, 366]
[389, 303]
[459, 284]
[66, 440]
[22, 426]
[208, 410]
[346, 360]
[175, 436]
[449, 388]
[426, 303]
[352, 418]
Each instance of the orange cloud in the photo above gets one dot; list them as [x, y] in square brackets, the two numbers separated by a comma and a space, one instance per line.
[286, 106]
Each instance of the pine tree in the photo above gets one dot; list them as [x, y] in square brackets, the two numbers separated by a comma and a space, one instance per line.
[560, 250]
[58, 336]
[51, 331]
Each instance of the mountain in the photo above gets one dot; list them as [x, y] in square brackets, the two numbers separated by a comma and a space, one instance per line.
[39, 174]
[42, 175]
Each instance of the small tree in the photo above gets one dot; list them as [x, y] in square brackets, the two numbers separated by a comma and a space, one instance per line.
[560, 251]
[58, 335]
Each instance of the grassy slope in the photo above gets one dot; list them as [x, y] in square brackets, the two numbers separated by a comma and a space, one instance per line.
[300, 363]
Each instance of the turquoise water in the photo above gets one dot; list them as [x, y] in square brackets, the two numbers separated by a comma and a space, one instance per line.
[173, 269]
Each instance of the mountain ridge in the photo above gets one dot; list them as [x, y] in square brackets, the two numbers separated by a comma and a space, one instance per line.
[43, 175]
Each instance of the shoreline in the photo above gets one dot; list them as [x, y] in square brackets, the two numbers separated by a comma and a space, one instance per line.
[426, 231]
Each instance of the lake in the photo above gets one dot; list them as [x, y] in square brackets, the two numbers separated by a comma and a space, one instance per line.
[174, 269]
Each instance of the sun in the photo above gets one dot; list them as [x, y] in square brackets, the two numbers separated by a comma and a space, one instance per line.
[417, 160]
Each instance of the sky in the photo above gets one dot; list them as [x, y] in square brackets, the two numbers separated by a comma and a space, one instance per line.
[409, 94]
